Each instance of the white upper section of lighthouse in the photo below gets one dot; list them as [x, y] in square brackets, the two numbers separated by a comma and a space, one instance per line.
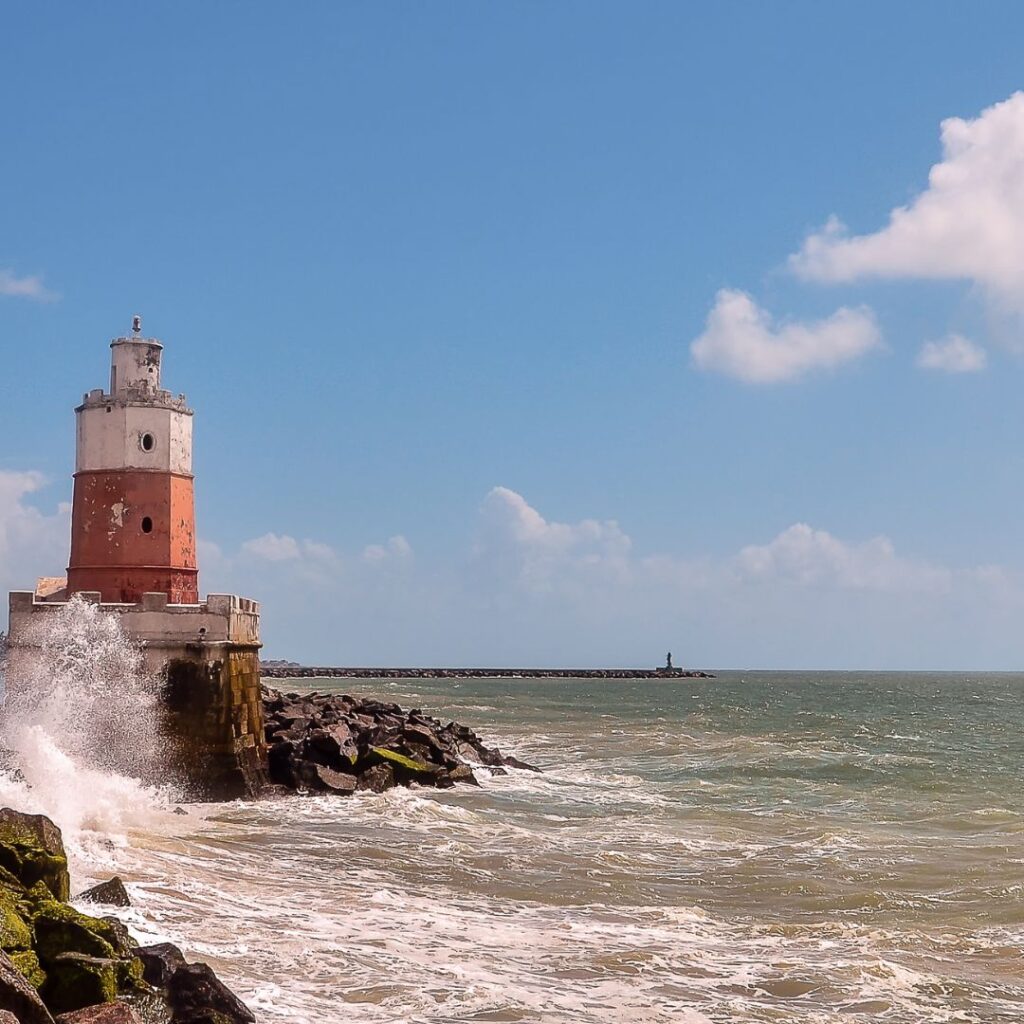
[136, 425]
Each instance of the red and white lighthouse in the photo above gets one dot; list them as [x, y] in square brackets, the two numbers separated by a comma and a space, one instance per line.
[133, 514]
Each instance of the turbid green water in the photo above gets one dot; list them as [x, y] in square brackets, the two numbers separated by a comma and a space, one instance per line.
[756, 847]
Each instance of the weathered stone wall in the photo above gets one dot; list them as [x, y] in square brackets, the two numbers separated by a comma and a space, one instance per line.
[208, 657]
[215, 720]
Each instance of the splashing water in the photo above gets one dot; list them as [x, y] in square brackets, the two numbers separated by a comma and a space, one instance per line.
[81, 725]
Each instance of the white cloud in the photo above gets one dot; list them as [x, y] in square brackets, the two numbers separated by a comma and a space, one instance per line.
[967, 224]
[397, 547]
[814, 558]
[272, 547]
[533, 590]
[953, 354]
[29, 287]
[516, 539]
[740, 341]
[32, 544]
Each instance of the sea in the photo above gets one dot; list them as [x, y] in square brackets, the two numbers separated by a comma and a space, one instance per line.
[756, 847]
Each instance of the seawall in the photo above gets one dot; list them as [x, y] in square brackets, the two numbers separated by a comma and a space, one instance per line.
[322, 672]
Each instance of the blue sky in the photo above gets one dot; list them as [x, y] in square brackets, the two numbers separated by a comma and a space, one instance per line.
[515, 332]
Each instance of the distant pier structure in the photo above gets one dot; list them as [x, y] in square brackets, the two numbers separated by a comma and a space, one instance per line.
[133, 552]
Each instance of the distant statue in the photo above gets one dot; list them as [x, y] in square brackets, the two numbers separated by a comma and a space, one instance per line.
[668, 662]
[136, 325]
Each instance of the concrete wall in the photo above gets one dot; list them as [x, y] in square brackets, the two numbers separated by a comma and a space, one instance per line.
[133, 533]
[134, 362]
[110, 435]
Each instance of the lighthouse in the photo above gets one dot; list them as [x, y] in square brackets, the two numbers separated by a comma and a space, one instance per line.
[133, 512]
[133, 553]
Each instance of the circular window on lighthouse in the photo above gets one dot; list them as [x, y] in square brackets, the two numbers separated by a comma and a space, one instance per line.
[147, 525]
[148, 442]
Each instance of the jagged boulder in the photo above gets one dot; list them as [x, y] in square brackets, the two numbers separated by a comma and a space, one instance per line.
[112, 893]
[56, 960]
[197, 996]
[159, 962]
[338, 743]
[77, 980]
[32, 850]
[20, 997]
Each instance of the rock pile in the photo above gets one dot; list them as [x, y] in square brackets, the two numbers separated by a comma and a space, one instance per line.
[340, 744]
[59, 966]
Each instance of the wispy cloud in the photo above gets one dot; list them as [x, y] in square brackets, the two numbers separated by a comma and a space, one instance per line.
[740, 341]
[28, 287]
[953, 354]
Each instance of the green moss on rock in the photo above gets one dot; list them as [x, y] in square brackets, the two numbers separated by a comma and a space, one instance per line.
[402, 761]
[27, 964]
[32, 850]
[15, 932]
[75, 980]
[61, 929]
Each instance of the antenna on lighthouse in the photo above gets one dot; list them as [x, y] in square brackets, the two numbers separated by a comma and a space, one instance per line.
[136, 325]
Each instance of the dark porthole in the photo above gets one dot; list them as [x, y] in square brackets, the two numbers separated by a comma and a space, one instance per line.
[147, 524]
[148, 441]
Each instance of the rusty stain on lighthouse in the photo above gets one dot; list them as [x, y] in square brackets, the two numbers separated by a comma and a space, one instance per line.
[133, 512]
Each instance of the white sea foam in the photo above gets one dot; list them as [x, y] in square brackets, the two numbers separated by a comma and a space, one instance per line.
[80, 724]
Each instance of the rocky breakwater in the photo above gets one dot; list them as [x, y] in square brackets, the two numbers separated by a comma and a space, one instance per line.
[60, 966]
[340, 744]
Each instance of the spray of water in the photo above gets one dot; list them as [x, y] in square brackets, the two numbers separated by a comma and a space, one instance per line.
[81, 726]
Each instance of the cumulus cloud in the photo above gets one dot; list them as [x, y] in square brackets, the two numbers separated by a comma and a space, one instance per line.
[32, 544]
[515, 538]
[954, 354]
[740, 341]
[29, 287]
[967, 224]
[814, 558]
[530, 589]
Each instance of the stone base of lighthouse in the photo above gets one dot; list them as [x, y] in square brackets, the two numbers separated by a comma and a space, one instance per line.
[206, 656]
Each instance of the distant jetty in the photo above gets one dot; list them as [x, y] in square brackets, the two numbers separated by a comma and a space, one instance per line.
[287, 670]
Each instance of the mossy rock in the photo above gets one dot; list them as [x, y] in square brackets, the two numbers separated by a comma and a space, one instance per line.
[28, 964]
[32, 850]
[75, 980]
[401, 761]
[61, 929]
[15, 932]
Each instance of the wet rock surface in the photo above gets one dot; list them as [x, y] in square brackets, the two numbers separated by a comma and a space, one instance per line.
[112, 893]
[56, 962]
[336, 743]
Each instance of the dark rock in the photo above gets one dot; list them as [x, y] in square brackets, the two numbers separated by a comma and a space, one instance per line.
[320, 777]
[31, 848]
[377, 778]
[119, 937]
[198, 996]
[75, 980]
[322, 742]
[514, 762]
[112, 893]
[463, 773]
[18, 996]
[106, 1013]
[334, 742]
[61, 929]
[159, 962]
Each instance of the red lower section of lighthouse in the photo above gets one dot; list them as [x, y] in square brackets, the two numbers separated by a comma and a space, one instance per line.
[133, 532]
